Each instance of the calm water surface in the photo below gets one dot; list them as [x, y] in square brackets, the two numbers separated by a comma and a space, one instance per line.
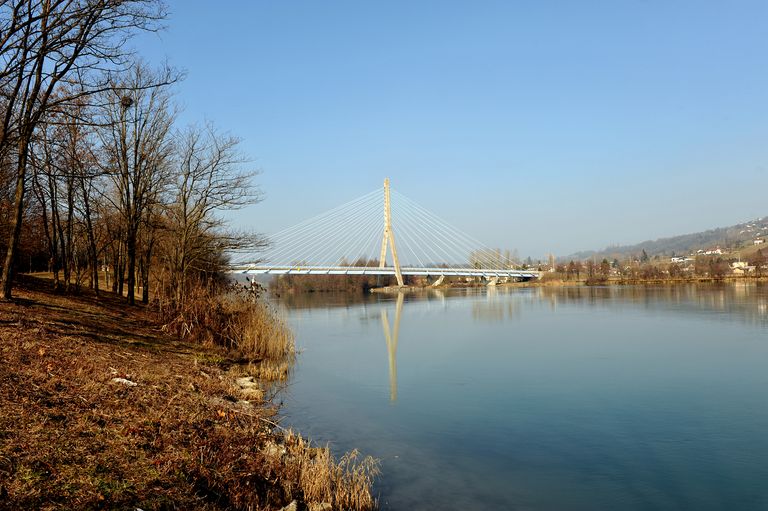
[543, 399]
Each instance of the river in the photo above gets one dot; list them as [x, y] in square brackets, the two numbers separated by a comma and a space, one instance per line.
[558, 398]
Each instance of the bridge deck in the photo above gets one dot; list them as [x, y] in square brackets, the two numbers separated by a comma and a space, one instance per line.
[369, 270]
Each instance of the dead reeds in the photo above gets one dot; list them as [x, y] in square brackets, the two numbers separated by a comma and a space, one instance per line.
[255, 329]
[246, 325]
[345, 484]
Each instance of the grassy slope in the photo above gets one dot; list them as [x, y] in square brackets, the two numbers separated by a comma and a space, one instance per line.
[183, 438]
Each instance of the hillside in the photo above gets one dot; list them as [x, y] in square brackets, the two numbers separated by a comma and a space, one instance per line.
[731, 237]
[104, 410]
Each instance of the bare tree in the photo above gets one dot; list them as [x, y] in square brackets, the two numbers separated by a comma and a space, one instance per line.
[590, 268]
[605, 268]
[63, 176]
[758, 260]
[571, 270]
[46, 191]
[209, 178]
[137, 120]
[44, 43]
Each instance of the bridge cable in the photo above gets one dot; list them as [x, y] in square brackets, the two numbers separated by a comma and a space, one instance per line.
[458, 238]
[347, 233]
[296, 242]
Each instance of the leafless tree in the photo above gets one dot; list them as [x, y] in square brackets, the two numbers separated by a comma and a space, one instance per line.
[44, 43]
[136, 138]
[758, 261]
[605, 268]
[64, 171]
[209, 178]
[571, 270]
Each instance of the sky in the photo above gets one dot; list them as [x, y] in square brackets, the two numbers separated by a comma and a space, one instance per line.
[552, 126]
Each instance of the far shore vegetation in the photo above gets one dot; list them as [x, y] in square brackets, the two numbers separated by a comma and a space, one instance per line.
[644, 269]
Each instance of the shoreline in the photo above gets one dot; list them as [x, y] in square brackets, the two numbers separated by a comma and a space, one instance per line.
[103, 409]
[611, 282]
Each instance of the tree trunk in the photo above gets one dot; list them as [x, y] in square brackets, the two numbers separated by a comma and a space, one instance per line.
[65, 266]
[147, 258]
[92, 252]
[50, 233]
[116, 266]
[55, 233]
[130, 253]
[145, 282]
[13, 242]
[69, 253]
[121, 270]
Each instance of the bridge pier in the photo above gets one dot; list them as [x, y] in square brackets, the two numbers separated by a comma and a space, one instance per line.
[438, 281]
[492, 281]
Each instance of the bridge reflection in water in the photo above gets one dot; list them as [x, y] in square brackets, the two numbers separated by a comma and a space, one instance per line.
[491, 308]
[727, 302]
[391, 336]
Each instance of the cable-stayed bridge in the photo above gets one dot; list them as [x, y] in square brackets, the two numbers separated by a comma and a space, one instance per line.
[381, 233]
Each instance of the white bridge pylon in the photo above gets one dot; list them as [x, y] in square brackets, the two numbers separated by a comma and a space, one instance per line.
[389, 237]
[352, 240]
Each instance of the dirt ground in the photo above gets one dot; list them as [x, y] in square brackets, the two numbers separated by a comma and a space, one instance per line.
[99, 409]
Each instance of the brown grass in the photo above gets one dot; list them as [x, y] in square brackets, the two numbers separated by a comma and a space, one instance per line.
[255, 329]
[186, 436]
[345, 484]
[247, 326]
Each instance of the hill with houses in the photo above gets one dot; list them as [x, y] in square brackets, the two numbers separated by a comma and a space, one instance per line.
[748, 235]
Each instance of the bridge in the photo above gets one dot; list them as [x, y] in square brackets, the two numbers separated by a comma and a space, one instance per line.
[347, 240]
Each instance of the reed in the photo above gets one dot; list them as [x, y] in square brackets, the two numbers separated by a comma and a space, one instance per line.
[245, 324]
[256, 330]
[345, 484]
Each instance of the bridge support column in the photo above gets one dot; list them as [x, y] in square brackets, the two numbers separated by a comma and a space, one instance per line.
[389, 238]
[438, 281]
[493, 281]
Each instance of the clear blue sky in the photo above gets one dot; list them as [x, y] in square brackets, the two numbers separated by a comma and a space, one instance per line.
[541, 126]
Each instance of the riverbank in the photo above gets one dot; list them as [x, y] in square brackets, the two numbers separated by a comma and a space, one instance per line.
[103, 410]
[554, 282]
[628, 281]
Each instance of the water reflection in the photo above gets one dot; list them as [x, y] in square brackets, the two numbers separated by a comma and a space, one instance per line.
[391, 336]
[747, 301]
[742, 301]
[543, 398]
[494, 308]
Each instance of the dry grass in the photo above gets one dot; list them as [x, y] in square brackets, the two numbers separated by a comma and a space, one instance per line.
[186, 436]
[255, 329]
[247, 326]
[345, 484]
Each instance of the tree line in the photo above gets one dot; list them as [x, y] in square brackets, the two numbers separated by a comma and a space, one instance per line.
[97, 177]
[642, 268]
